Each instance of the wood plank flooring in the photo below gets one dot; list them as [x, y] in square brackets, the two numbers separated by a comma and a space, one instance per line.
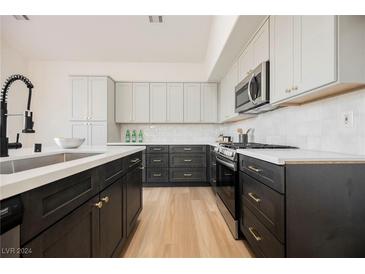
[182, 222]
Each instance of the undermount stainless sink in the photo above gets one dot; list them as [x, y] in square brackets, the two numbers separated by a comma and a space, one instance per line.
[14, 166]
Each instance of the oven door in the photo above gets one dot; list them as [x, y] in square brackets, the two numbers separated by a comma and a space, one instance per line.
[227, 185]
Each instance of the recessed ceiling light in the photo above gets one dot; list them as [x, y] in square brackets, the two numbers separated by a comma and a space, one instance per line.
[155, 19]
[21, 17]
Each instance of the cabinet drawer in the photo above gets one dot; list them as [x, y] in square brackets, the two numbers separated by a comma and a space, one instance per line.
[114, 169]
[188, 160]
[270, 174]
[187, 149]
[134, 160]
[46, 205]
[262, 241]
[188, 175]
[265, 203]
[157, 175]
[157, 149]
[157, 160]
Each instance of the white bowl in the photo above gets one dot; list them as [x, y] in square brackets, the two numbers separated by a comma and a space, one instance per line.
[69, 142]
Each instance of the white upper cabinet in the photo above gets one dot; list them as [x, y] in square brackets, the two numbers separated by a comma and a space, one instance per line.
[92, 109]
[80, 130]
[89, 98]
[158, 103]
[124, 102]
[261, 48]
[256, 52]
[314, 52]
[192, 103]
[97, 133]
[281, 53]
[209, 103]
[227, 93]
[79, 98]
[315, 56]
[98, 98]
[246, 62]
[166, 103]
[175, 103]
[141, 102]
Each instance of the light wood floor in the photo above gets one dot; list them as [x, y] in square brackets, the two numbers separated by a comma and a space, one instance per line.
[182, 222]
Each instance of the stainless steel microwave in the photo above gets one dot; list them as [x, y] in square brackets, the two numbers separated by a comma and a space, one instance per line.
[252, 93]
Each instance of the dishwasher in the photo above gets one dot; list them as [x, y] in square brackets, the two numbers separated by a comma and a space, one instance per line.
[11, 214]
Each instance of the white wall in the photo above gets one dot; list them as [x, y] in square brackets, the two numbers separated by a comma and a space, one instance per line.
[221, 28]
[51, 85]
[316, 126]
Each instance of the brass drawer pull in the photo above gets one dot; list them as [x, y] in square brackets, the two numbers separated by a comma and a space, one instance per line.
[141, 168]
[188, 174]
[187, 148]
[157, 149]
[98, 204]
[254, 197]
[156, 174]
[157, 161]
[134, 160]
[106, 199]
[255, 234]
[254, 169]
[187, 160]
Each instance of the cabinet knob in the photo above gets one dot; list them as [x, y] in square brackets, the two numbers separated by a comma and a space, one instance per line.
[295, 88]
[288, 90]
[106, 199]
[99, 204]
[141, 168]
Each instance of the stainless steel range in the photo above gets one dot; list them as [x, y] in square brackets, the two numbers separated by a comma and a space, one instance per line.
[228, 182]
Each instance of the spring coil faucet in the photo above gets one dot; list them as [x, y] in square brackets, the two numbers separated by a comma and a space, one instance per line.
[28, 115]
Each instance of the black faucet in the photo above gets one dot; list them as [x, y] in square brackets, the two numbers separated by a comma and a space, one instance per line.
[28, 116]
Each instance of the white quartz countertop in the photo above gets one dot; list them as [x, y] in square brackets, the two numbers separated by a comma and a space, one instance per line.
[16, 183]
[290, 156]
[162, 143]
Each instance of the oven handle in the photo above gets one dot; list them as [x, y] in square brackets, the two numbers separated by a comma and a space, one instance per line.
[232, 166]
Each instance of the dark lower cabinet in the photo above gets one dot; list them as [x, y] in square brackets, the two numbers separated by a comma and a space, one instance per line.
[111, 218]
[261, 240]
[325, 210]
[99, 226]
[133, 197]
[75, 236]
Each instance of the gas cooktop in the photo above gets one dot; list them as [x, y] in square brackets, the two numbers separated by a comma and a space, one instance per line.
[255, 146]
[228, 151]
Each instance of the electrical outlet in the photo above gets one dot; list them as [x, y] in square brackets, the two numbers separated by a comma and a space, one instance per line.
[348, 119]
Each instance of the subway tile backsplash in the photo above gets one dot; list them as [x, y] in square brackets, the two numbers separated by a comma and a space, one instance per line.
[154, 133]
[316, 126]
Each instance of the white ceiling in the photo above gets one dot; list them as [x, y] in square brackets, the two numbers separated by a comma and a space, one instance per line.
[109, 38]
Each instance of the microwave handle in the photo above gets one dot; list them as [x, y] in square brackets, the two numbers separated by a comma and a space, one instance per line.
[249, 89]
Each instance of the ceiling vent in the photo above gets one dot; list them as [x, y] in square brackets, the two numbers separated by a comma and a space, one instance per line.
[155, 19]
[21, 17]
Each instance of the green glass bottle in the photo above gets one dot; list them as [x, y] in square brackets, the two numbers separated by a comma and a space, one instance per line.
[134, 136]
[128, 136]
[140, 136]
